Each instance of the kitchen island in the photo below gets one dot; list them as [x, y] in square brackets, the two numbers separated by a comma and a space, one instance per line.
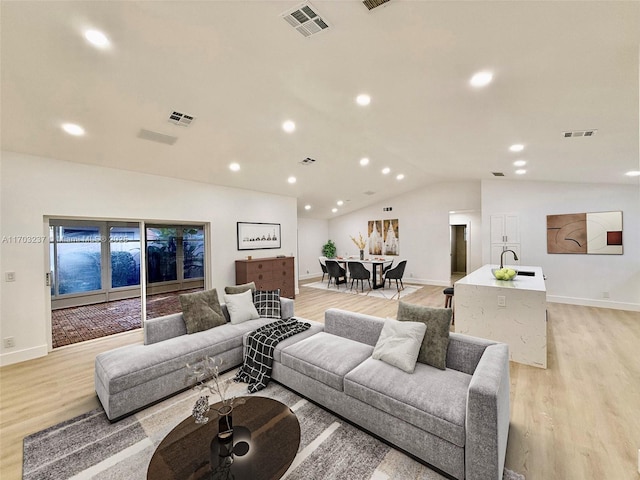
[513, 311]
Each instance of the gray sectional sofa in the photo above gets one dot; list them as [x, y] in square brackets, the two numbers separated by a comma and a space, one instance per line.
[455, 419]
[134, 376]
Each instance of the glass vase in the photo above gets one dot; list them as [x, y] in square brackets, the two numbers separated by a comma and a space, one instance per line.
[225, 423]
[361, 254]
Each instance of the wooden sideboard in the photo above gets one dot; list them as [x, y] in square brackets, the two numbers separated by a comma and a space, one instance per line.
[268, 274]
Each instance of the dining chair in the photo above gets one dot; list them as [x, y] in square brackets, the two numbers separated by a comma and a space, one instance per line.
[396, 274]
[384, 269]
[324, 269]
[359, 273]
[335, 271]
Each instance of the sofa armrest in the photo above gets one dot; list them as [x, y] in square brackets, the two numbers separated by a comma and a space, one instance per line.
[163, 328]
[354, 326]
[286, 308]
[487, 419]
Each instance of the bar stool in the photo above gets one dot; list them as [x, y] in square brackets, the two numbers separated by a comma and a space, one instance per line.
[448, 297]
[448, 301]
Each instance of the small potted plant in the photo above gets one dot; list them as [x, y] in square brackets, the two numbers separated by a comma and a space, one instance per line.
[329, 249]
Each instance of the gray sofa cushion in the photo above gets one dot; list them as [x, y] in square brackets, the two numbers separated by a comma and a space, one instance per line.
[201, 310]
[436, 341]
[431, 399]
[126, 367]
[325, 357]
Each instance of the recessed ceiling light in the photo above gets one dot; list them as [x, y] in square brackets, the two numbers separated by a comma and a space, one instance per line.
[73, 129]
[339, 203]
[307, 207]
[519, 163]
[97, 38]
[518, 147]
[521, 171]
[289, 126]
[364, 161]
[481, 79]
[633, 173]
[334, 209]
[291, 179]
[400, 176]
[363, 99]
[386, 170]
[234, 167]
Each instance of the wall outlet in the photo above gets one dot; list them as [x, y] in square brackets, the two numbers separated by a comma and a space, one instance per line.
[502, 301]
[10, 276]
[9, 342]
[605, 294]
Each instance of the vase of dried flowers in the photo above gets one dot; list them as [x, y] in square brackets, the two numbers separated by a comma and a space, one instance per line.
[205, 374]
[360, 242]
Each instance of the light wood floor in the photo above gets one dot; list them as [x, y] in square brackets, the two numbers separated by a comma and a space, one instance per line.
[578, 419]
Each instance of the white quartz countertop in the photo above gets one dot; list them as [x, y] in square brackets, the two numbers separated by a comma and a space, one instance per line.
[483, 277]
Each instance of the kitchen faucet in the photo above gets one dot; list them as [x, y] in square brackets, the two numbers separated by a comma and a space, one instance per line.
[515, 257]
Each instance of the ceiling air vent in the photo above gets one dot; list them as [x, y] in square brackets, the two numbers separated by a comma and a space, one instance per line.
[181, 119]
[371, 4]
[305, 19]
[579, 133]
[369, 192]
[157, 137]
[497, 174]
[307, 161]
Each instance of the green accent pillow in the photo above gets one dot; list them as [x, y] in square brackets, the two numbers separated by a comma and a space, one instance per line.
[436, 341]
[201, 310]
[235, 289]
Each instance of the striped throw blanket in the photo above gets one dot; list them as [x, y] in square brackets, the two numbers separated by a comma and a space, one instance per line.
[258, 356]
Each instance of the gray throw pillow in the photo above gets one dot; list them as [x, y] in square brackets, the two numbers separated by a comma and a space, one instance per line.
[399, 344]
[235, 289]
[436, 341]
[241, 307]
[201, 310]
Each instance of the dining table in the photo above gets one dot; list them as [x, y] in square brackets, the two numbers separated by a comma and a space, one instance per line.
[377, 267]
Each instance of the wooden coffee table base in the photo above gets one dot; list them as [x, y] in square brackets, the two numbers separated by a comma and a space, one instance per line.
[266, 437]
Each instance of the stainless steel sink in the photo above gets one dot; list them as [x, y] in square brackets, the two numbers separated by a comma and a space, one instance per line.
[526, 273]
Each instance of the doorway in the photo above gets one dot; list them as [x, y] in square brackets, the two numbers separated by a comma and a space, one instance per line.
[458, 249]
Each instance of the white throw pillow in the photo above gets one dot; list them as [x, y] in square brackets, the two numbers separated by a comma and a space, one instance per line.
[399, 343]
[241, 307]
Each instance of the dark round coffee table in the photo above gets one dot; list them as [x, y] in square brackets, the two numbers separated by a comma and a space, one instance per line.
[266, 437]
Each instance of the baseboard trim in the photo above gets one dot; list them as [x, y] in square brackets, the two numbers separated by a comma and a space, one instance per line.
[23, 355]
[588, 302]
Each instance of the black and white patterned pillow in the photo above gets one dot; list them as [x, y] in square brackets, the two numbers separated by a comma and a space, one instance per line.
[267, 303]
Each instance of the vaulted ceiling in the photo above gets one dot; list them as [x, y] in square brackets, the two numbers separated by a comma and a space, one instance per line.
[241, 70]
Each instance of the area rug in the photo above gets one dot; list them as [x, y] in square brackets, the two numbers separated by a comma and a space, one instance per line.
[90, 447]
[389, 293]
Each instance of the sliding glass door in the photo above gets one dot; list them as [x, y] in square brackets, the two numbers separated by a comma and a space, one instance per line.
[175, 263]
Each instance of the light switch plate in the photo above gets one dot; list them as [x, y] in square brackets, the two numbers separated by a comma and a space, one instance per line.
[10, 276]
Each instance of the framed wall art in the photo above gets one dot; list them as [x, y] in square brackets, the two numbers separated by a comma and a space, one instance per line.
[258, 236]
[586, 233]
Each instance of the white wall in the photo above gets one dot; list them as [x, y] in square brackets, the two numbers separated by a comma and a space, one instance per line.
[424, 232]
[576, 279]
[35, 187]
[312, 235]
